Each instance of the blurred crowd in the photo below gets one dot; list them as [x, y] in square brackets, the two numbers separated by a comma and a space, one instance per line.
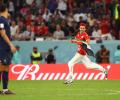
[59, 19]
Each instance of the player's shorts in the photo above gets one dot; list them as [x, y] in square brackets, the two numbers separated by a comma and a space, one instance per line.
[5, 57]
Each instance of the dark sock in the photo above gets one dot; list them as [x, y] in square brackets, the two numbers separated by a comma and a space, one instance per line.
[5, 80]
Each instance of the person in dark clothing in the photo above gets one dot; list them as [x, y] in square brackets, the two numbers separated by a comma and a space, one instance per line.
[50, 58]
[6, 49]
[98, 57]
[103, 55]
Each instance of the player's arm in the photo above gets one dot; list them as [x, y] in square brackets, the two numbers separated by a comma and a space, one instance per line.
[88, 41]
[5, 37]
[76, 41]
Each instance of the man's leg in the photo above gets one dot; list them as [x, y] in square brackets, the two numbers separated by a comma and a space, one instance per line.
[5, 62]
[1, 70]
[5, 80]
[91, 65]
[71, 64]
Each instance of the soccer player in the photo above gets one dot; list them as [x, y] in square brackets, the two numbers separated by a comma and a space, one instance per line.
[81, 54]
[6, 48]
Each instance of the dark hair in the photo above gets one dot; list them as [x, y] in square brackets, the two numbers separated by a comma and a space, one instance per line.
[102, 46]
[50, 50]
[35, 48]
[83, 24]
[3, 7]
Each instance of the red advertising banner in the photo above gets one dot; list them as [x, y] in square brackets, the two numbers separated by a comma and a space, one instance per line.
[60, 72]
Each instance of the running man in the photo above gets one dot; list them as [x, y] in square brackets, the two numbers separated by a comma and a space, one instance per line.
[81, 54]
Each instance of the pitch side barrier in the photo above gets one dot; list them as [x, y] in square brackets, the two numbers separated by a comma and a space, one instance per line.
[60, 72]
[65, 50]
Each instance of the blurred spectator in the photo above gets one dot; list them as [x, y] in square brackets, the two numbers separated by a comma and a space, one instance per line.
[117, 19]
[117, 55]
[38, 2]
[14, 30]
[98, 57]
[70, 5]
[52, 27]
[11, 8]
[46, 15]
[79, 1]
[59, 34]
[50, 58]
[105, 28]
[62, 6]
[115, 13]
[96, 34]
[70, 19]
[29, 2]
[64, 28]
[91, 22]
[17, 56]
[70, 24]
[27, 35]
[80, 17]
[36, 56]
[58, 17]
[113, 30]
[103, 55]
[113, 9]
[29, 17]
[42, 30]
[73, 12]
[52, 5]
[21, 26]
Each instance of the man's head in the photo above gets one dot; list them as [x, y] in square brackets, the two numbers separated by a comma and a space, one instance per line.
[50, 51]
[103, 47]
[82, 27]
[4, 11]
[35, 50]
[17, 47]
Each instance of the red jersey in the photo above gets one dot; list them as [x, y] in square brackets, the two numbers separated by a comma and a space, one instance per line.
[81, 36]
[104, 26]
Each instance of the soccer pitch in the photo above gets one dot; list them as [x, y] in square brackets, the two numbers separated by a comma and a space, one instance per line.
[56, 90]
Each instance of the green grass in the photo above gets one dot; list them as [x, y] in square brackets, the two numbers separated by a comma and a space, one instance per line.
[56, 90]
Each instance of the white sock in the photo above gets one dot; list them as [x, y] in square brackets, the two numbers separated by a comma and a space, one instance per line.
[70, 72]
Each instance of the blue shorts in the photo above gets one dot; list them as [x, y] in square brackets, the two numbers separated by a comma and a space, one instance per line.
[5, 57]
